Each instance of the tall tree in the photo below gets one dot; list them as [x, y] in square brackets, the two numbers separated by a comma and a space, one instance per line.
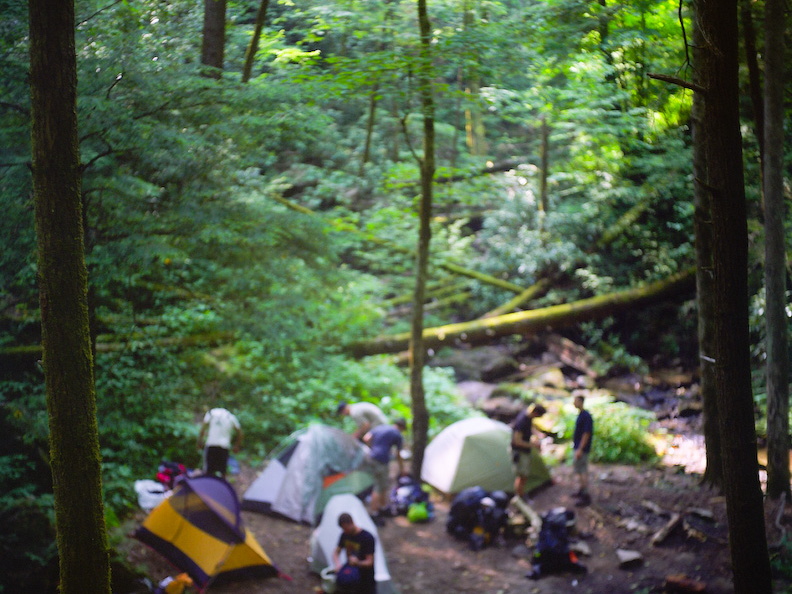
[250, 53]
[705, 296]
[722, 146]
[68, 363]
[213, 42]
[417, 347]
[775, 255]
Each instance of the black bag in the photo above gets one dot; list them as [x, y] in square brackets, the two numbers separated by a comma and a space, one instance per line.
[552, 552]
[462, 517]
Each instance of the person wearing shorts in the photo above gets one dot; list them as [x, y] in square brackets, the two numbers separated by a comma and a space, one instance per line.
[524, 445]
[381, 441]
[581, 443]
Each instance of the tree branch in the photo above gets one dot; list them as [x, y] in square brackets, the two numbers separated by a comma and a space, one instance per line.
[678, 81]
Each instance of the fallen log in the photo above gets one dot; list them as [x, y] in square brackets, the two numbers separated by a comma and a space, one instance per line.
[525, 322]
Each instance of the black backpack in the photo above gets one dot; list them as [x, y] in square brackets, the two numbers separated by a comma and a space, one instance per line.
[552, 552]
[462, 517]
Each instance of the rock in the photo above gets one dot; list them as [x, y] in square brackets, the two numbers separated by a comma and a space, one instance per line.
[475, 391]
[681, 583]
[580, 547]
[550, 378]
[628, 558]
[501, 408]
[689, 408]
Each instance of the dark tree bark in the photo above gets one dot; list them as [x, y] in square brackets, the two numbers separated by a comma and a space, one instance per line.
[778, 475]
[705, 296]
[417, 348]
[754, 77]
[213, 43]
[722, 147]
[250, 53]
[66, 342]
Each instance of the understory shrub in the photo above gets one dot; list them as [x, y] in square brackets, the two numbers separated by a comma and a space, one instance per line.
[621, 432]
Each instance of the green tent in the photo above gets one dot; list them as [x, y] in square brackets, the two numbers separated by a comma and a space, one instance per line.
[476, 452]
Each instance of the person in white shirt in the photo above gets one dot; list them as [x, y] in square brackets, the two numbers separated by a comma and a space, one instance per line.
[220, 432]
[365, 414]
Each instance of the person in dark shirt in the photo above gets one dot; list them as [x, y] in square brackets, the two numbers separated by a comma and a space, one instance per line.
[359, 545]
[581, 442]
[381, 441]
[524, 445]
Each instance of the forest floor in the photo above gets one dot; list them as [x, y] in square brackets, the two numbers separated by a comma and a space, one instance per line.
[630, 505]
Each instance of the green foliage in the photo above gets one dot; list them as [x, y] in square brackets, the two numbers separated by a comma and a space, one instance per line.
[781, 560]
[621, 432]
[204, 290]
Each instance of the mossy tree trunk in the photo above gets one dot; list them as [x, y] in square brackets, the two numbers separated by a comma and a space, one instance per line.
[524, 322]
[417, 348]
[252, 49]
[775, 255]
[702, 222]
[66, 342]
[722, 146]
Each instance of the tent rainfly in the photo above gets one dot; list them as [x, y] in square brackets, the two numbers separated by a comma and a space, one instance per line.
[302, 473]
[200, 531]
[475, 452]
[324, 538]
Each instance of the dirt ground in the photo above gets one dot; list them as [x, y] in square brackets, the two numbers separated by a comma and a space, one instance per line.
[629, 506]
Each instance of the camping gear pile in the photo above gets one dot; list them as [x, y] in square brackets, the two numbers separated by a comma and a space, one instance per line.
[478, 516]
[552, 553]
[409, 499]
[200, 531]
[305, 471]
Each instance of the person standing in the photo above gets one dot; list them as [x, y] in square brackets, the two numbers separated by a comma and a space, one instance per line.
[220, 431]
[381, 441]
[581, 443]
[524, 444]
[365, 414]
[359, 545]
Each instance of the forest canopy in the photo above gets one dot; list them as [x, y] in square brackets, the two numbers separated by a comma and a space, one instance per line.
[244, 231]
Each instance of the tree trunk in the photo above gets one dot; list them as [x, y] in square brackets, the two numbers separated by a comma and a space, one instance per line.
[778, 475]
[754, 77]
[725, 185]
[252, 49]
[705, 296]
[63, 288]
[526, 322]
[213, 45]
[369, 128]
[544, 205]
[417, 348]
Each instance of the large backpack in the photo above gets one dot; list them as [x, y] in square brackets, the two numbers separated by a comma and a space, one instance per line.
[462, 517]
[552, 552]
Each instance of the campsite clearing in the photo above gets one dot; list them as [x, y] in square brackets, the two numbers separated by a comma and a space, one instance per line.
[631, 505]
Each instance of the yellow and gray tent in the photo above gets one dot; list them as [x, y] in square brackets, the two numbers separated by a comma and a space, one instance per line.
[199, 530]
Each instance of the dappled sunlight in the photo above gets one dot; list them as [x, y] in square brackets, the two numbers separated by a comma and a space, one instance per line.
[687, 451]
